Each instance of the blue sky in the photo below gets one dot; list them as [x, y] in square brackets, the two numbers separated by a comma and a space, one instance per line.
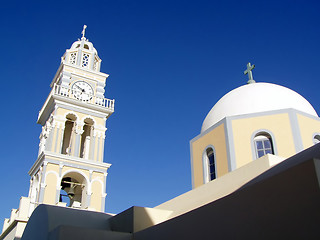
[169, 63]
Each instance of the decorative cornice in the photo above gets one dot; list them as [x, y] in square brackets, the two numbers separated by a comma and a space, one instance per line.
[45, 157]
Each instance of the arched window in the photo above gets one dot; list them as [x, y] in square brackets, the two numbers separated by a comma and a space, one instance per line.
[316, 139]
[68, 134]
[209, 165]
[86, 138]
[263, 144]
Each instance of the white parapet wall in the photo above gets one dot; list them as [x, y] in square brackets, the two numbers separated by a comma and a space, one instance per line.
[219, 187]
[13, 228]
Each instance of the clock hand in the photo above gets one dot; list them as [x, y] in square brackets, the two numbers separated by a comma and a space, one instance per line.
[82, 90]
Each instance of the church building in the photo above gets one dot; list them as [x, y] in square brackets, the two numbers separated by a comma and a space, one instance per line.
[255, 167]
[249, 122]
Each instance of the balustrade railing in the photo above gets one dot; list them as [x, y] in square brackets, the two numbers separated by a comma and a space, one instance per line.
[82, 96]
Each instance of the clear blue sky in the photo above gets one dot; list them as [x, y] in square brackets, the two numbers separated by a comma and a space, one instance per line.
[169, 63]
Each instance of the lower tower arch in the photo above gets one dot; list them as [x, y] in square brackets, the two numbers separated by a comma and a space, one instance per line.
[74, 188]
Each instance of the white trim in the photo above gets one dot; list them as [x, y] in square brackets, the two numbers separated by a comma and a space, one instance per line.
[75, 162]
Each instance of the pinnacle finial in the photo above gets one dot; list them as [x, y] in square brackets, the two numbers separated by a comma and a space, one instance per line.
[84, 31]
[249, 72]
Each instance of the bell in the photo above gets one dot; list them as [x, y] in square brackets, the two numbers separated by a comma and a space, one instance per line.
[71, 190]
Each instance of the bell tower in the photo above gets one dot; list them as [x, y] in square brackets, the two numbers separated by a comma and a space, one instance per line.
[69, 170]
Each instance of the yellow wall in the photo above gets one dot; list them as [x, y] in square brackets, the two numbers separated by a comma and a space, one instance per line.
[81, 116]
[243, 129]
[51, 184]
[308, 127]
[96, 196]
[96, 189]
[217, 139]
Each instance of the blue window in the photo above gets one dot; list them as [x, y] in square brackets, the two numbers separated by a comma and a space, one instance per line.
[263, 145]
[211, 164]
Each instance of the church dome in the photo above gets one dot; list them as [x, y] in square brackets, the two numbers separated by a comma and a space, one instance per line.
[255, 98]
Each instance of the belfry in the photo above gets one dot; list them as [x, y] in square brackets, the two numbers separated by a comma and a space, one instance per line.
[69, 170]
[73, 133]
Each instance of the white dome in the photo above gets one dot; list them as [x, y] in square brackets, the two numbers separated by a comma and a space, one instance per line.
[254, 98]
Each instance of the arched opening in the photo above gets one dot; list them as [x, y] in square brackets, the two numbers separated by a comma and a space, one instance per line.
[86, 138]
[73, 190]
[73, 57]
[316, 139]
[263, 144]
[209, 165]
[68, 134]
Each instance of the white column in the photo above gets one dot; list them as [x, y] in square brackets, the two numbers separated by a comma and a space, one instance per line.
[77, 141]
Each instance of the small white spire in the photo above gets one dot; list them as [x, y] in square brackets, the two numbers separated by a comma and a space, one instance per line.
[83, 31]
[249, 72]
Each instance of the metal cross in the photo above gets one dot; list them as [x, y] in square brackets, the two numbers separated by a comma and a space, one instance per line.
[84, 30]
[249, 72]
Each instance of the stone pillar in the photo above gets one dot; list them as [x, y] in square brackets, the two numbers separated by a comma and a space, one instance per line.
[59, 136]
[30, 188]
[59, 186]
[92, 145]
[89, 191]
[79, 57]
[65, 79]
[86, 147]
[103, 137]
[48, 144]
[77, 140]
[100, 133]
[104, 194]
[43, 182]
[98, 149]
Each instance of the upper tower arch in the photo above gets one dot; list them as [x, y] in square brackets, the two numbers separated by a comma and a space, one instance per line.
[68, 135]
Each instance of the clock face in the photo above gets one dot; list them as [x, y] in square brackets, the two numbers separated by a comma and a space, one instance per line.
[82, 90]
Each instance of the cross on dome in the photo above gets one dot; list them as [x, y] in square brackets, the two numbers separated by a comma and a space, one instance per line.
[249, 72]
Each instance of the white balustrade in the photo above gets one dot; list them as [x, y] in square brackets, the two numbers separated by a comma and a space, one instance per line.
[67, 92]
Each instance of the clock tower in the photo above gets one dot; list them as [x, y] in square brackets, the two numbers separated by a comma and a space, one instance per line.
[69, 170]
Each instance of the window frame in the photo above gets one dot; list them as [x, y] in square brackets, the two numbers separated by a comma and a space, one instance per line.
[266, 133]
[206, 166]
[316, 138]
